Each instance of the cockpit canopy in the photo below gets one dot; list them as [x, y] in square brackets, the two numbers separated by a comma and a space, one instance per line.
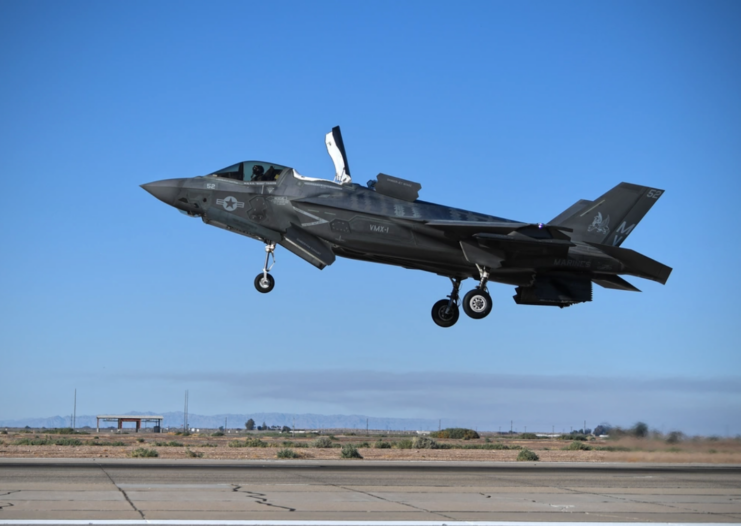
[251, 171]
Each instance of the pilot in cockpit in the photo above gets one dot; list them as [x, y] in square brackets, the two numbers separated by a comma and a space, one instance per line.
[257, 172]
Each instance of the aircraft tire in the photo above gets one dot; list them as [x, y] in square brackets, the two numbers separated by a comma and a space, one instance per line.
[264, 283]
[443, 318]
[477, 304]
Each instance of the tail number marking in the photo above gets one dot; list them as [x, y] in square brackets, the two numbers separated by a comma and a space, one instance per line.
[624, 231]
[654, 194]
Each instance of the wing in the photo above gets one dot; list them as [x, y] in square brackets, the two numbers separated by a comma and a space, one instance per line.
[490, 243]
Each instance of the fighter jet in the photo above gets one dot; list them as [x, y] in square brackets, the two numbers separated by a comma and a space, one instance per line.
[384, 221]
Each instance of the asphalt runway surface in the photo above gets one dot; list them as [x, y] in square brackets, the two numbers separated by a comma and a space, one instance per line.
[153, 489]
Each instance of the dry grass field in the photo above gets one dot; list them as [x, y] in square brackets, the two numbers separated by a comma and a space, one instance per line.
[44, 444]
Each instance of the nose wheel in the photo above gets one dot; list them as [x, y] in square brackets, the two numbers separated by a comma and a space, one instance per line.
[264, 282]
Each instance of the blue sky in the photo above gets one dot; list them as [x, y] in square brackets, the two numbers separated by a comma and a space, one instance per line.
[516, 109]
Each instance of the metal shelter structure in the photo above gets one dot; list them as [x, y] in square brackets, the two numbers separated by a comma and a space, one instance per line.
[130, 418]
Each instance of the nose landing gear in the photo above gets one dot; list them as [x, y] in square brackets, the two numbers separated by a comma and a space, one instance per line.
[445, 312]
[264, 282]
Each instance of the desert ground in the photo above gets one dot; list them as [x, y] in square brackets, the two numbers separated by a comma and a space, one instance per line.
[214, 445]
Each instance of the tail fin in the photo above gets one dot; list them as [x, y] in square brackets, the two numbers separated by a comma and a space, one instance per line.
[609, 219]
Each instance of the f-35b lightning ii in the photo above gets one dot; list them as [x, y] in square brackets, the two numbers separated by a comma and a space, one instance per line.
[552, 263]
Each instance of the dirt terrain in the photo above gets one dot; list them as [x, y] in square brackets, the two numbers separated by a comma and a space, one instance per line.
[106, 444]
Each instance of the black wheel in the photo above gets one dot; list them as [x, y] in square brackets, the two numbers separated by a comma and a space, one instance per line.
[264, 283]
[477, 304]
[445, 315]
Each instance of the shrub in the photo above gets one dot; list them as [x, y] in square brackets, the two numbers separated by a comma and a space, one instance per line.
[3, 432]
[639, 430]
[380, 444]
[142, 452]
[528, 436]
[48, 442]
[574, 436]
[612, 448]
[194, 454]
[350, 451]
[250, 442]
[117, 443]
[675, 437]
[424, 443]
[171, 443]
[527, 456]
[217, 434]
[456, 432]
[140, 440]
[286, 453]
[208, 445]
[322, 442]
[578, 446]
[404, 443]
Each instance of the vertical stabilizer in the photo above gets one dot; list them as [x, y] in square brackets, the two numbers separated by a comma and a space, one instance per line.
[609, 219]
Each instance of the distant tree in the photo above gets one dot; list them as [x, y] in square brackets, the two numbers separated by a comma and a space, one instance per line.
[285, 429]
[221, 428]
[640, 430]
[249, 425]
[264, 426]
[602, 429]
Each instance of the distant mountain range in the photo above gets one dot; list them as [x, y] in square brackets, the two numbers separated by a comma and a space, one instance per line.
[237, 421]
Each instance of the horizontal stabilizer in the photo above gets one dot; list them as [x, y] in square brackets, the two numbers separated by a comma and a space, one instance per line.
[636, 263]
[611, 281]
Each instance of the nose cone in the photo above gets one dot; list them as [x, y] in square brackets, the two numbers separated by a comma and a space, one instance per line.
[166, 190]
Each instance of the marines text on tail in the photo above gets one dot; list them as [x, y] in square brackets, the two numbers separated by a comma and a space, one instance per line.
[552, 263]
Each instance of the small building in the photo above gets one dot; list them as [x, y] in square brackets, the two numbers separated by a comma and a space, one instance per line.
[130, 418]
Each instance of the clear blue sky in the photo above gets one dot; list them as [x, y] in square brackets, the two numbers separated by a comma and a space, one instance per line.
[516, 109]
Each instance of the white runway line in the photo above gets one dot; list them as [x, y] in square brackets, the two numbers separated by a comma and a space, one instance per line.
[335, 523]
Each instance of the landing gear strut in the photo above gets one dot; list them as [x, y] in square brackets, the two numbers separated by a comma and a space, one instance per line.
[477, 302]
[445, 312]
[264, 282]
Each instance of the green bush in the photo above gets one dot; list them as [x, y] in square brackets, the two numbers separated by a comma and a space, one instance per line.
[456, 432]
[286, 453]
[194, 454]
[675, 437]
[208, 445]
[142, 452]
[171, 443]
[527, 456]
[578, 446]
[48, 442]
[424, 443]
[322, 442]
[404, 443]
[528, 436]
[218, 434]
[574, 436]
[117, 443]
[349, 451]
[140, 440]
[380, 444]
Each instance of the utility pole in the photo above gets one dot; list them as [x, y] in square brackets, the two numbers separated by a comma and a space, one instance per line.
[511, 423]
[185, 413]
[224, 424]
[367, 432]
[439, 424]
[74, 412]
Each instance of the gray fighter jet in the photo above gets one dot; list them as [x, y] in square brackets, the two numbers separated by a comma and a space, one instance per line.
[552, 263]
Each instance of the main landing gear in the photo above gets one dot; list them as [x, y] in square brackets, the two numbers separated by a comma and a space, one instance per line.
[264, 282]
[476, 303]
[445, 312]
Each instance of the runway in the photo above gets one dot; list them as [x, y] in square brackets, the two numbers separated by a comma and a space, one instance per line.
[434, 492]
